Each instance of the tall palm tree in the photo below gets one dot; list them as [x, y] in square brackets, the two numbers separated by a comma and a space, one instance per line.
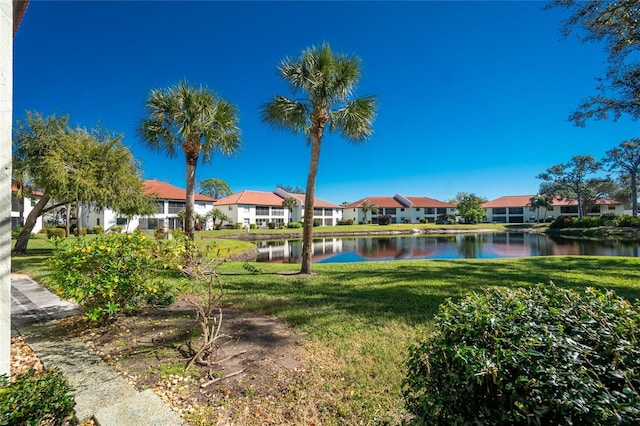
[539, 201]
[326, 81]
[195, 121]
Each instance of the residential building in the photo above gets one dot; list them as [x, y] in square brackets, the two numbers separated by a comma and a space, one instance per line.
[170, 200]
[401, 209]
[261, 208]
[20, 209]
[518, 209]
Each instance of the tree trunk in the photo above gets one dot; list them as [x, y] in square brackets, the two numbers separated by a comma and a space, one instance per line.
[634, 195]
[189, 219]
[79, 218]
[319, 118]
[67, 219]
[29, 223]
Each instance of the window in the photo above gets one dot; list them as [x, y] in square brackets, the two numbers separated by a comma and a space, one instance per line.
[569, 209]
[97, 221]
[429, 210]
[317, 212]
[401, 209]
[516, 210]
[441, 211]
[15, 203]
[390, 211]
[500, 210]
[176, 206]
[262, 211]
[611, 207]
[247, 209]
[276, 211]
[159, 206]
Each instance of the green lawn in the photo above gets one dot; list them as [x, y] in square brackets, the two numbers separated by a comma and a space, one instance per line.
[359, 318]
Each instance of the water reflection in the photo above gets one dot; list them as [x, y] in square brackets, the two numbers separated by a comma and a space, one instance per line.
[467, 246]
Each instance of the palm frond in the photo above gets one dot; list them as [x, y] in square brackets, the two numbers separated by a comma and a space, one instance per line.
[355, 119]
[285, 113]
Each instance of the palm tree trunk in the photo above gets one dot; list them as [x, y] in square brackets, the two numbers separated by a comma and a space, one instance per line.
[67, 219]
[23, 238]
[79, 218]
[634, 195]
[189, 225]
[319, 118]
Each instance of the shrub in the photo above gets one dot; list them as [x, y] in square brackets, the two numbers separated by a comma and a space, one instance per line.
[606, 219]
[384, 219]
[15, 233]
[84, 232]
[317, 222]
[112, 272]
[423, 221]
[56, 232]
[542, 355]
[271, 225]
[562, 222]
[117, 229]
[239, 225]
[626, 221]
[587, 222]
[98, 230]
[294, 225]
[36, 399]
[253, 226]
[345, 222]
[159, 233]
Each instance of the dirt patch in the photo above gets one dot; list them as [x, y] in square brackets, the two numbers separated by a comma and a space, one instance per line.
[257, 359]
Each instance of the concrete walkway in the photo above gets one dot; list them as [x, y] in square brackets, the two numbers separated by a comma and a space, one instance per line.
[99, 392]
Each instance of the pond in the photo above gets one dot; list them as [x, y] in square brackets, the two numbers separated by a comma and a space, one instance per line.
[465, 246]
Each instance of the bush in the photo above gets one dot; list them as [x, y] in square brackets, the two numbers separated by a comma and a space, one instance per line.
[117, 229]
[345, 222]
[36, 399]
[112, 272]
[384, 219]
[98, 230]
[587, 222]
[423, 221]
[626, 221]
[159, 233]
[271, 225]
[84, 232]
[317, 222]
[15, 233]
[607, 219]
[542, 355]
[562, 222]
[253, 226]
[239, 225]
[56, 232]
[294, 225]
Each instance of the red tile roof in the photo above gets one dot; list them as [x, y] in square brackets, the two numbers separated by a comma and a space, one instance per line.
[317, 202]
[165, 191]
[509, 201]
[380, 202]
[428, 202]
[256, 198]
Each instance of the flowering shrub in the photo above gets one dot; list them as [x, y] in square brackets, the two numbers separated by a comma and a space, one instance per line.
[112, 272]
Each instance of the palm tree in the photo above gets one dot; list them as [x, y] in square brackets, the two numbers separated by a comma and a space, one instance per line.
[368, 206]
[327, 81]
[194, 120]
[538, 201]
[290, 203]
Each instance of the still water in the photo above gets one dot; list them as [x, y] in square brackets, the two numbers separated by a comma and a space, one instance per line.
[468, 246]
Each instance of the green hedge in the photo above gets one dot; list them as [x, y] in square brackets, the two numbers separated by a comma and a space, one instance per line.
[537, 356]
[36, 399]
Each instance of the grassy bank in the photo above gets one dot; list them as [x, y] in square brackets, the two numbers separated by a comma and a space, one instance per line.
[359, 318]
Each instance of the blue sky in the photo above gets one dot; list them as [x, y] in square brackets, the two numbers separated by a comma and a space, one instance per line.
[473, 96]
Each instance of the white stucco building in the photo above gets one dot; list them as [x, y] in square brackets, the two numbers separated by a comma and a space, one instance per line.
[401, 209]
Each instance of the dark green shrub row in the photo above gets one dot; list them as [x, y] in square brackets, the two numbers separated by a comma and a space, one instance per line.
[15, 233]
[627, 221]
[537, 356]
[384, 219]
[345, 222]
[98, 230]
[294, 225]
[36, 399]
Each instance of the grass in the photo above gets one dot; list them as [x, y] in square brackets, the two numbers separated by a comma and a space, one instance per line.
[359, 318]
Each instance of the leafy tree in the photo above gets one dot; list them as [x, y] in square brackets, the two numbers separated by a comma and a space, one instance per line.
[366, 207]
[616, 24]
[195, 121]
[569, 180]
[72, 165]
[290, 203]
[470, 207]
[625, 159]
[540, 201]
[327, 80]
[290, 189]
[215, 188]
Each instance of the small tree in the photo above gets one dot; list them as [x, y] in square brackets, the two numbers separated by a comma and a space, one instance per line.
[215, 188]
[290, 203]
[470, 207]
[625, 160]
[368, 207]
[540, 201]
